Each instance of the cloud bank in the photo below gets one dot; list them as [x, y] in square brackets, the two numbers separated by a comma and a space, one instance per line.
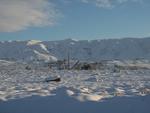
[16, 15]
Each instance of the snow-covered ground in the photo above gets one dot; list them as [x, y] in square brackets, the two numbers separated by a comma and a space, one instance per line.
[24, 90]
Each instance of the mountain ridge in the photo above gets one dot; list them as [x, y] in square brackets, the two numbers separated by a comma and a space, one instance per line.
[93, 50]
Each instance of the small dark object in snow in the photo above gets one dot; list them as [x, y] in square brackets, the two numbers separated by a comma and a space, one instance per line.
[53, 80]
[86, 67]
[28, 68]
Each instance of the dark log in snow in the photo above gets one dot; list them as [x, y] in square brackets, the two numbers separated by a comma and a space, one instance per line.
[52, 80]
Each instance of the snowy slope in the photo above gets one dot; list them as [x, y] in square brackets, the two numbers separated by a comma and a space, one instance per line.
[128, 48]
[25, 50]
[94, 50]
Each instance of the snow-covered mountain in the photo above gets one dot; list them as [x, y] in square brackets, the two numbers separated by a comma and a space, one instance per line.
[94, 50]
[25, 50]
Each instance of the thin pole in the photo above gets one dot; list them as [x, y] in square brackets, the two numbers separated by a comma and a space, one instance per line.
[68, 59]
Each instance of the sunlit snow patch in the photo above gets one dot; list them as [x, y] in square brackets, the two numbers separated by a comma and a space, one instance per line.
[70, 92]
[89, 97]
[45, 57]
[33, 42]
[44, 47]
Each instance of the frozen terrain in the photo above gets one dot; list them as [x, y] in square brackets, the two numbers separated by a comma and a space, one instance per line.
[24, 90]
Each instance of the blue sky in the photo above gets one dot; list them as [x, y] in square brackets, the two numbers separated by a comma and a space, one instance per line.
[77, 19]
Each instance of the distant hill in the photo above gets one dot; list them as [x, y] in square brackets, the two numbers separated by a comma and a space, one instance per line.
[94, 50]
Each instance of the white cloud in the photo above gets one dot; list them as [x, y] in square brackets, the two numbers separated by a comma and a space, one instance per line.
[103, 3]
[16, 15]
[108, 3]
